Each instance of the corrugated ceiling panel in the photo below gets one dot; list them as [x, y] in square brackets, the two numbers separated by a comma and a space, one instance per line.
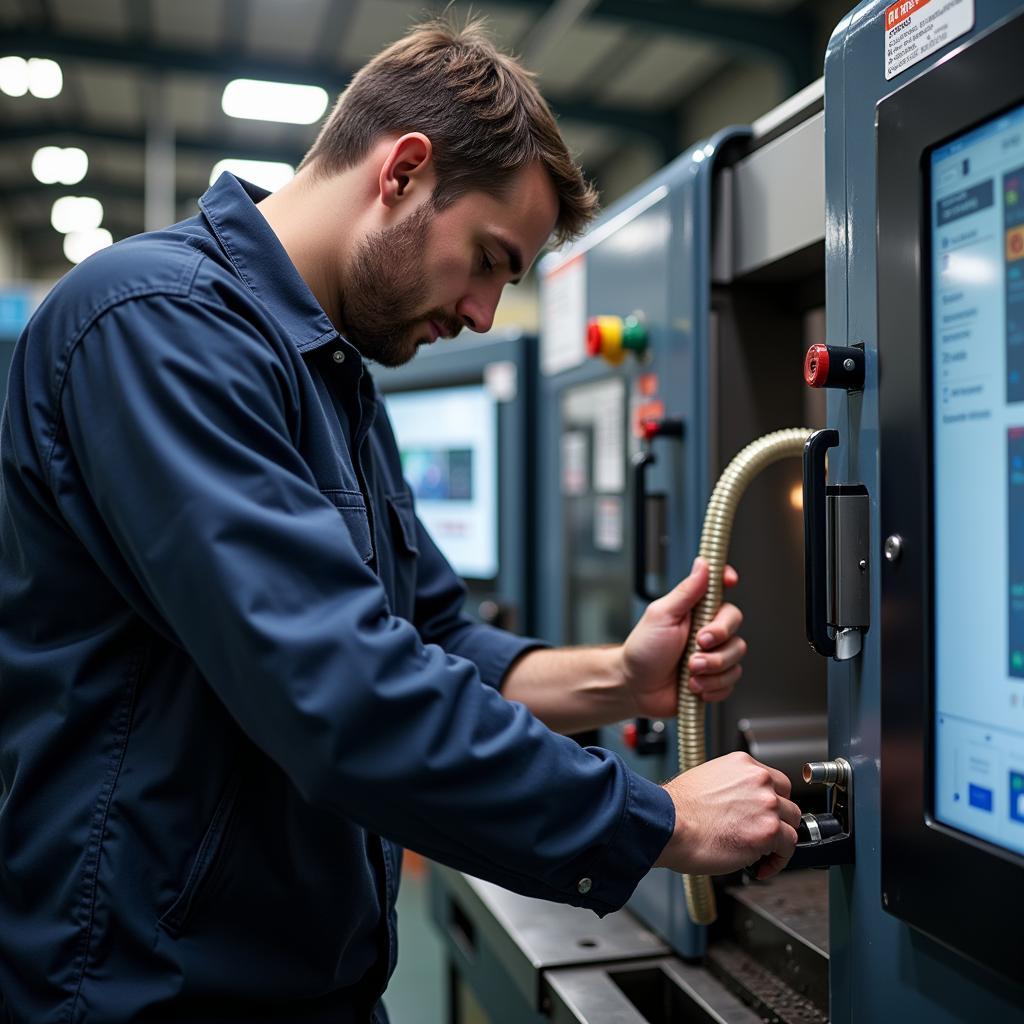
[105, 18]
[193, 171]
[193, 24]
[29, 108]
[756, 5]
[124, 165]
[583, 49]
[662, 74]
[284, 29]
[589, 144]
[505, 25]
[195, 103]
[15, 163]
[111, 94]
[10, 12]
[375, 25]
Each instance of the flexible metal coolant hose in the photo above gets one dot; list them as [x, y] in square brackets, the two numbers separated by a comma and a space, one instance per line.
[714, 548]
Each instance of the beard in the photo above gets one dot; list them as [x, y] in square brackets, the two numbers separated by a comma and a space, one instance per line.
[385, 291]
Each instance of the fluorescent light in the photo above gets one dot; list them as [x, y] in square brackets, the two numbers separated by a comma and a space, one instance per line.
[76, 213]
[265, 173]
[51, 165]
[13, 76]
[45, 79]
[78, 245]
[273, 101]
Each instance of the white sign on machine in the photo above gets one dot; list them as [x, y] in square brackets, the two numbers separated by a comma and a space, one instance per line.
[916, 28]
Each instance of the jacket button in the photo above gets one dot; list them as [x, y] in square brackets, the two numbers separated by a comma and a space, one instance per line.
[583, 886]
[338, 356]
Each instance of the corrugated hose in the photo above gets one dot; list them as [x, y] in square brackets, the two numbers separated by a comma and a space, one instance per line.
[714, 549]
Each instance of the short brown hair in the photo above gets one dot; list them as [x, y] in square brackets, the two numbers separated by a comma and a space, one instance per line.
[479, 107]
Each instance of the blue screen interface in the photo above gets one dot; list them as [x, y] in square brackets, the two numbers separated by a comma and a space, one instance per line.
[977, 305]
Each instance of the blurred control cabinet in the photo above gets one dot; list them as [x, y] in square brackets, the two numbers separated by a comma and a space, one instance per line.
[463, 414]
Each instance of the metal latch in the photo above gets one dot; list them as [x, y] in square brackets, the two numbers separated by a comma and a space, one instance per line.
[836, 556]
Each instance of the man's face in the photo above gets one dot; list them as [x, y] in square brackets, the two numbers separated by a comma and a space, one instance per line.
[434, 273]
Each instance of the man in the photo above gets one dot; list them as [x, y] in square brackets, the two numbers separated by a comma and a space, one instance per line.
[235, 672]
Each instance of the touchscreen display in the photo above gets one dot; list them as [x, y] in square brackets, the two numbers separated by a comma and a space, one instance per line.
[448, 441]
[977, 273]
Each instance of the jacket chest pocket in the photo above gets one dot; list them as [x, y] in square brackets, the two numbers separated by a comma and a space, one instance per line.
[405, 551]
[352, 508]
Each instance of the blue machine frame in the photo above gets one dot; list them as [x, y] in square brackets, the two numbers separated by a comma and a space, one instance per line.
[881, 969]
[658, 226]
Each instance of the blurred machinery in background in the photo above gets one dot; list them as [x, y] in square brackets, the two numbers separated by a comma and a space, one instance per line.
[464, 418]
[690, 321]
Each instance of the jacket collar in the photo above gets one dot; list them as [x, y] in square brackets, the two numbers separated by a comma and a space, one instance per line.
[229, 206]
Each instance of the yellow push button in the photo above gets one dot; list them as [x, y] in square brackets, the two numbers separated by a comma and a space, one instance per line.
[610, 336]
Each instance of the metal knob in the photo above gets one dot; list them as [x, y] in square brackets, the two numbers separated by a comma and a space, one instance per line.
[827, 773]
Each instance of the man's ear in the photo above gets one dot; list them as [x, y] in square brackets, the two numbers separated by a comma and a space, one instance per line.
[408, 170]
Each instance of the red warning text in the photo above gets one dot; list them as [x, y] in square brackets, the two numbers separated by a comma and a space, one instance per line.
[901, 10]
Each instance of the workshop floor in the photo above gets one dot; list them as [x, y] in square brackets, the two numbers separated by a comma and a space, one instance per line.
[416, 994]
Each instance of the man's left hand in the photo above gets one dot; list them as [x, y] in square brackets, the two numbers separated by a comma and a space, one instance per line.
[652, 651]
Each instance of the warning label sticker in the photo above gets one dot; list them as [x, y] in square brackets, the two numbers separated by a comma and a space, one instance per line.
[916, 28]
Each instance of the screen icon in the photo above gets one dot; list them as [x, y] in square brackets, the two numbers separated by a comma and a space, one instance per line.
[980, 797]
[1017, 796]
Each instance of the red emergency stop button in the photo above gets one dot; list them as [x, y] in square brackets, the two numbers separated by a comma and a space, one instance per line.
[816, 366]
[835, 366]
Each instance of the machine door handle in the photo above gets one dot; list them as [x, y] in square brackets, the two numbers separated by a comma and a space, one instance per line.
[641, 461]
[816, 541]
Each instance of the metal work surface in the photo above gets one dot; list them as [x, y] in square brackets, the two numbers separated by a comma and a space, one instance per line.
[796, 902]
[773, 999]
[770, 945]
[549, 935]
[648, 992]
[528, 936]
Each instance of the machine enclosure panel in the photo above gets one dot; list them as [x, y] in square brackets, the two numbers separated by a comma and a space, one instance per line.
[658, 263]
[881, 968]
[918, 855]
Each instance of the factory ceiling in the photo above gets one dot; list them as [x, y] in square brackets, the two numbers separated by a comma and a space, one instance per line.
[618, 73]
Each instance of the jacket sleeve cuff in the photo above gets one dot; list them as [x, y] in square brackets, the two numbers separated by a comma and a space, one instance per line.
[647, 822]
[491, 650]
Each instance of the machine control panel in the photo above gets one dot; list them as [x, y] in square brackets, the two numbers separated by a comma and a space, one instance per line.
[611, 337]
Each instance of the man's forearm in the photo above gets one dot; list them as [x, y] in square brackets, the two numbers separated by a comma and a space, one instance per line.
[571, 689]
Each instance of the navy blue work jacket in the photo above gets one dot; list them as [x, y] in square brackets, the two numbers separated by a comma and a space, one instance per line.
[232, 660]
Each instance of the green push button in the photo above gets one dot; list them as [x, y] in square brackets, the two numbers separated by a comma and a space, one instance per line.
[634, 334]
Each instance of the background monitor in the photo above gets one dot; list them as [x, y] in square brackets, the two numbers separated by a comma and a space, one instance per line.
[976, 207]
[448, 441]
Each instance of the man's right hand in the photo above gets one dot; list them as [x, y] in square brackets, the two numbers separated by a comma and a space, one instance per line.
[730, 812]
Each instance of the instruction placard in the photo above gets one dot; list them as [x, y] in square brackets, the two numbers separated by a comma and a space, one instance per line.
[563, 296]
[916, 28]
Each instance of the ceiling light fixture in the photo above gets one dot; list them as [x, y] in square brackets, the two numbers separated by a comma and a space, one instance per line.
[13, 76]
[78, 245]
[45, 78]
[273, 101]
[52, 165]
[76, 213]
[265, 173]
[41, 77]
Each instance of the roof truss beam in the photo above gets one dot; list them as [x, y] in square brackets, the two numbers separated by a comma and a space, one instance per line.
[661, 128]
